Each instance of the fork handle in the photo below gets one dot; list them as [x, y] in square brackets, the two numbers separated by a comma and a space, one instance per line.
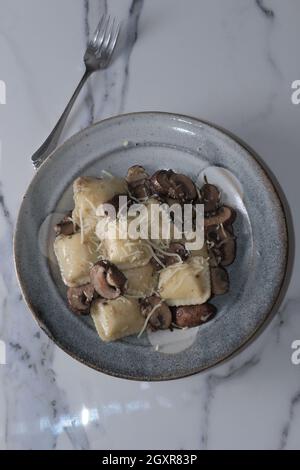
[52, 140]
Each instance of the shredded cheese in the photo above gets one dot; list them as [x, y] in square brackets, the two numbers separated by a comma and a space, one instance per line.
[134, 296]
[81, 227]
[223, 230]
[91, 204]
[90, 249]
[148, 318]
[153, 254]
[210, 244]
[107, 173]
[183, 328]
[165, 253]
[133, 198]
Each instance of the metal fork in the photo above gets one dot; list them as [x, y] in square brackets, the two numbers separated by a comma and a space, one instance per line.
[97, 56]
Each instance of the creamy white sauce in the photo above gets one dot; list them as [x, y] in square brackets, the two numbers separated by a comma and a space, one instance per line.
[172, 342]
[47, 236]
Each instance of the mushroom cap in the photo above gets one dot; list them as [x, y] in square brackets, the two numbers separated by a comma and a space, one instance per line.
[115, 202]
[140, 189]
[224, 215]
[138, 182]
[161, 318]
[211, 196]
[179, 249]
[182, 188]
[80, 298]
[136, 173]
[223, 249]
[160, 182]
[219, 281]
[66, 226]
[167, 183]
[108, 281]
[188, 316]
[228, 251]
[214, 257]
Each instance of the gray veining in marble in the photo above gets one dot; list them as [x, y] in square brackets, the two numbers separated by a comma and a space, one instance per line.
[268, 12]
[132, 32]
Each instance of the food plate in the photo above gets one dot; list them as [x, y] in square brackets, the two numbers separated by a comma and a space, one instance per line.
[187, 145]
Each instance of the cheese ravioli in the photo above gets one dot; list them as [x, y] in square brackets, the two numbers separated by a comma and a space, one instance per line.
[185, 283]
[75, 259]
[115, 319]
[89, 193]
[142, 281]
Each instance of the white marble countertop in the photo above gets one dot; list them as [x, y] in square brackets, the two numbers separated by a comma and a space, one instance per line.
[228, 61]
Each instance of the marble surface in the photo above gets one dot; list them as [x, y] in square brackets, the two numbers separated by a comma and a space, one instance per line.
[228, 61]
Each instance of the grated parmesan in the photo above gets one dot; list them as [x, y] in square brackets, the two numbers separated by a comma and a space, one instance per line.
[91, 204]
[165, 253]
[107, 173]
[81, 227]
[148, 318]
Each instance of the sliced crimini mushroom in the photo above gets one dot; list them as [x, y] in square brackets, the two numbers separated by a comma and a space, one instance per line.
[108, 280]
[161, 316]
[66, 226]
[138, 182]
[189, 316]
[167, 183]
[180, 251]
[214, 257]
[224, 242]
[228, 251]
[221, 245]
[219, 281]
[217, 234]
[160, 182]
[115, 202]
[230, 229]
[170, 201]
[136, 173]
[80, 298]
[213, 234]
[182, 188]
[213, 237]
[141, 190]
[224, 215]
[156, 265]
[210, 196]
